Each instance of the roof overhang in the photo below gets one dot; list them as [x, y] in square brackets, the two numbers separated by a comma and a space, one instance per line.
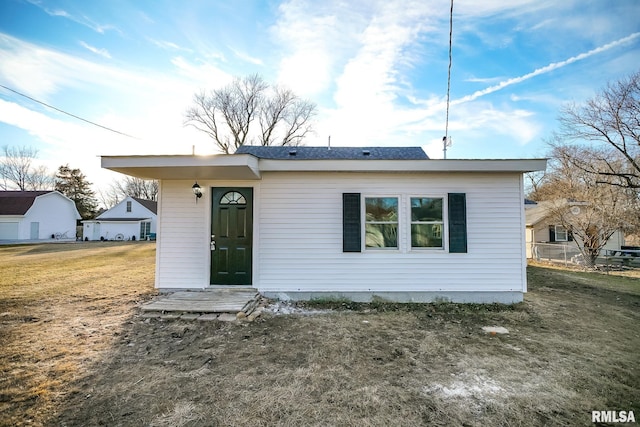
[248, 167]
[221, 166]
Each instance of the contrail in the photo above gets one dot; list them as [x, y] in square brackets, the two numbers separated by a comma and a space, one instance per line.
[546, 69]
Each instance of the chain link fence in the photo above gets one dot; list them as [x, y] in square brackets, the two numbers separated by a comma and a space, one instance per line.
[558, 253]
[571, 255]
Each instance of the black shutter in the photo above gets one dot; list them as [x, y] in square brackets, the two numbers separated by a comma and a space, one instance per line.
[351, 228]
[552, 233]
[457, 223]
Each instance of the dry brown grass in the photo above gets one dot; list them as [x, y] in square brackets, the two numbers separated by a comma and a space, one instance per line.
[572, 348]
[62, 306]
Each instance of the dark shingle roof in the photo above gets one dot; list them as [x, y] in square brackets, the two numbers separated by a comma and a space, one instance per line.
[18, 202]
[335, 153]
[149, 204]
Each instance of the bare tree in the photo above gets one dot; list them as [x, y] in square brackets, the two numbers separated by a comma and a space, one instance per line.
[41, 178]
[19, 173]
[108, 198]
[611, 123]
[285, 116]
[129, 186]
[578, 200]
[227, 114]
[139, 188]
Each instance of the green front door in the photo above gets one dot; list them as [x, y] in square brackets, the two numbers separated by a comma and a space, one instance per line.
[231, 236]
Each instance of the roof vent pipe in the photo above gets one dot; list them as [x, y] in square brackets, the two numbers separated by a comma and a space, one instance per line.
[366, 152]
[293, 152]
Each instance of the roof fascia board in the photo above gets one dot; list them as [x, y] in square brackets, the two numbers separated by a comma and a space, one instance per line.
[509, 165]
[206, 167]
[179, 160]
[185, 167]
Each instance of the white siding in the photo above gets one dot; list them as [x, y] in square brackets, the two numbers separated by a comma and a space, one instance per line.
[55, 213]
[120, 210]
[298, 234]
[300, 244]
[184, 229]
[109, 230]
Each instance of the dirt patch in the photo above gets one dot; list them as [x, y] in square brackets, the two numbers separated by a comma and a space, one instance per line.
[571, 348]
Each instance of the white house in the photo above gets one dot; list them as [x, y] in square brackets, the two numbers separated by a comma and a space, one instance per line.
[37, 215]
[131, 219]
[307, 222]
[541, 227]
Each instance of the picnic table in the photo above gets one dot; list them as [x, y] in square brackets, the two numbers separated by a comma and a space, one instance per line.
[624, 257]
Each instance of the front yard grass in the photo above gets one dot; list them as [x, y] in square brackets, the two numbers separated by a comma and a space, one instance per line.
[75, 351]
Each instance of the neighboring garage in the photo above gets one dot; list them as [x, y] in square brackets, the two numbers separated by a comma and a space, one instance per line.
[8, 230]
[37, 215]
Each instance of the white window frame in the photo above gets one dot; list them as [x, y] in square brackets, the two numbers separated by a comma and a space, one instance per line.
[398, 222]
[561, 229]
[128, 206]
[144, 233]
[444, 222]
[404, 223]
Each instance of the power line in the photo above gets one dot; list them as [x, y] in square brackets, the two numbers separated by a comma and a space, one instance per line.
[68, 114]
[445, 140]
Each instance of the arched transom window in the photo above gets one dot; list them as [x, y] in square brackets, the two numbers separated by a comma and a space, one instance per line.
[233, 198]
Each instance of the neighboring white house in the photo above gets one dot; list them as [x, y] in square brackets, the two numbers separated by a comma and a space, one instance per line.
[542, 228]
[359, 223]
[131, 219]
[37, 215]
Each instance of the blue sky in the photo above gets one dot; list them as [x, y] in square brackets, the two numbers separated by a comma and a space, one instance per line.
[377, 70]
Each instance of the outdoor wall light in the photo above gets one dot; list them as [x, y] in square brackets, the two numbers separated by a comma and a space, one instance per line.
[197, 191]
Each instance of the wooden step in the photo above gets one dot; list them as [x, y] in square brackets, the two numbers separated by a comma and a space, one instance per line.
[207, 301]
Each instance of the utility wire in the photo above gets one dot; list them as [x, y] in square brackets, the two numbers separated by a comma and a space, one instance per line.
[64, 112]
[446, 125]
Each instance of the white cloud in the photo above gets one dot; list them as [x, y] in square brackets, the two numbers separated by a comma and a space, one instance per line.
[483, 79]
[147, 105]
[82, 20]
[548, 68]
[246, 57]
[204, 75]
[315, 38]
[102, 52]
[361, 49]
[485, 8]
[167, 45]
[31, 69]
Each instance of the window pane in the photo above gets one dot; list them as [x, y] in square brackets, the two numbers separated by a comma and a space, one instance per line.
[426, 235]
[426, 209]
[381, 235]
[233, 198]
[561, 234]
[381, 209]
